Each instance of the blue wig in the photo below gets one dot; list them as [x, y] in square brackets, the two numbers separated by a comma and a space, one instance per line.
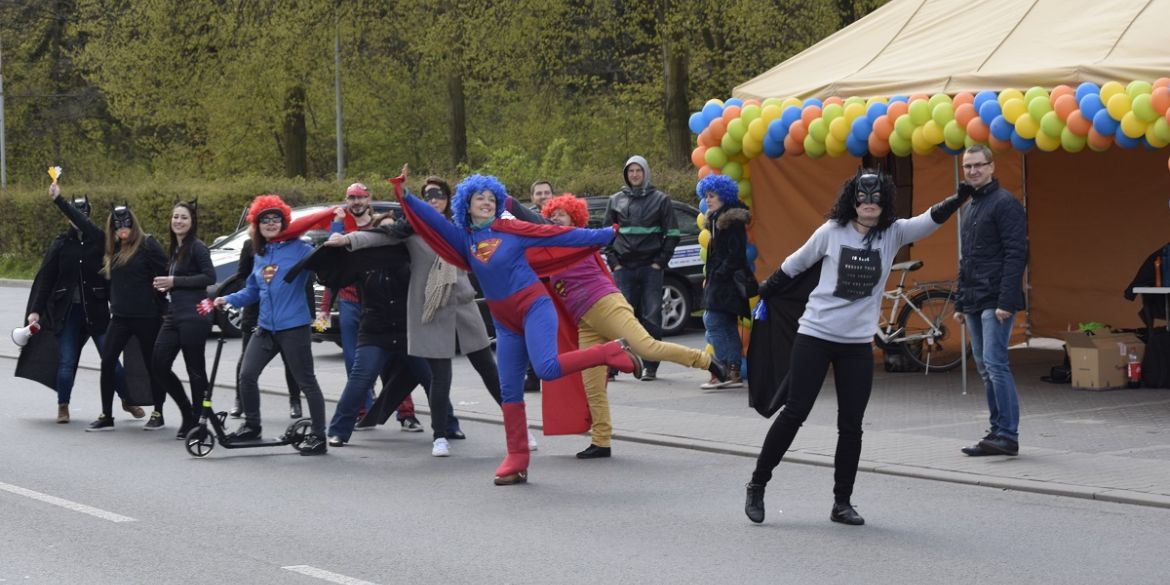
[722, 185]
[470, 186]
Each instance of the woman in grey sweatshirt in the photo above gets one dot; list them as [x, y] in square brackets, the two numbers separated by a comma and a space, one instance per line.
[857, 246]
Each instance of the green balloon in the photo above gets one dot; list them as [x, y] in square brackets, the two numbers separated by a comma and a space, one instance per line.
[812, 147]
[736, 129]
[1034, 93]
[734, 170]
[939, 98]
[943, 114]
[1136, 88]
[1038, 108]
[1071, 142]
[904, 127]
[1143, 108]
[832, 112]
[919, 112]
[715, 157]
[748, 114]
[1162, 129]
[899, 145]
[953, 133]
[730, 145]
[1051, 125]
[818, 129]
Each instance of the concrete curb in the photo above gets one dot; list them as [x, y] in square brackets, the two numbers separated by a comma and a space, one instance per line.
[910, 471]
[15, 283]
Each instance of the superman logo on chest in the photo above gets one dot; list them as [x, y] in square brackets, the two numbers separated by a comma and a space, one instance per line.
[484, 249]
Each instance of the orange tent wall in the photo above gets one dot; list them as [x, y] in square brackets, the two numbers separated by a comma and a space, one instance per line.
[1092, 219]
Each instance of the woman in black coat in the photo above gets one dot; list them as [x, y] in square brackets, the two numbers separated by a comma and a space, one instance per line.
[729, 276]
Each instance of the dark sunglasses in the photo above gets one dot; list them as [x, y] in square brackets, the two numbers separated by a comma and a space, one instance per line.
[271, 219]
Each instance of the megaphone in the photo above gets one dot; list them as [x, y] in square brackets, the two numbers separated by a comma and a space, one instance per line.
[21, 335]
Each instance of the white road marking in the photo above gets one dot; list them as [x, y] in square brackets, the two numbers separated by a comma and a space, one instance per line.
[68, 505]
[326, 575]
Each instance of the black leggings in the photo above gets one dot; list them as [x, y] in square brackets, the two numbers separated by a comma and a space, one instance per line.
[440, 391]
[294, 392]
[190, 336]
[118, 335]
[853, 373]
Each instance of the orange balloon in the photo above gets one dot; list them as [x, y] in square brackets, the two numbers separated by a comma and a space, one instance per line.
[705, 138]
[718, 128]
[697, 156]
[1162, 82]
[1098, 141]
[963, 97]
[1058, 92]
[897, 110]
[998, 145]
[964, 113]
[792, 146]
[882, 128]
[705, 170]
[1078, 124]
[1160, 99]
[977, 129]
[730, 113]
[798, 130]
[878, 146]
[808, 114]
[1064, 106]
[834, 100]
[919, 96]
[751, 102]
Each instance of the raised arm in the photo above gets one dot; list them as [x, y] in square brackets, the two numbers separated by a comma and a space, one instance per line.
[573, 238]
[522, 213]
[90, 230]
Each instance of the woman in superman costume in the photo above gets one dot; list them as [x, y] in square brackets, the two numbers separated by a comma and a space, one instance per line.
[506, 256]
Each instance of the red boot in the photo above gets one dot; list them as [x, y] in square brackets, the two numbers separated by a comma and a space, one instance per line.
[514, 468]
[615, 354]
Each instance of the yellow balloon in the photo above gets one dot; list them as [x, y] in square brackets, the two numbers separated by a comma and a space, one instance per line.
[704, 238]
[1119, 105]
[839, 129]
[834, 146]
[752, 148]
[747, 172]
[791, 102]
[703, 253]
[757, 128]
[1154, 137]
[701, 221]
[1131, 125]
[877, 99]
[854, 111]
[919, 142]
[1047, 143]
[932, 132]
[1110, 89]
[1013, 109]
[1026, 126]
[1010, 94]
[771, 112]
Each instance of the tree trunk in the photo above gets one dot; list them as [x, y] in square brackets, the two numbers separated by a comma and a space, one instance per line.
[677, 111]
[458, 118]
[296, 157]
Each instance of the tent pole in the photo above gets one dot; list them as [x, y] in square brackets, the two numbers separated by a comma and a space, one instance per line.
[959, 253]
[1028, 265]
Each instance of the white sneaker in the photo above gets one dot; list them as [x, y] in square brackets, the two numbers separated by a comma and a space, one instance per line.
[531, 441]
[441, 449]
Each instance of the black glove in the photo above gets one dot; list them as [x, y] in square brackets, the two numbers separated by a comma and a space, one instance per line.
[966, 191]
[774, 284]
[942, 211]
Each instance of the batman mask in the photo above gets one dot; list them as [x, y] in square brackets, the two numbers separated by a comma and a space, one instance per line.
[869, 189]
[82, 205]
[121, 217]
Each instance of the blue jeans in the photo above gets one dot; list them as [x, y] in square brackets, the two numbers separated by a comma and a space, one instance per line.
[989, 346]
[642, 287]
[368, 363]
[723, 335]
[350, 318]
[69, 343]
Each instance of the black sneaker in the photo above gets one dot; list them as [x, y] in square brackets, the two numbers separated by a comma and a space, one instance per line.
[754, 506]
[977, 450]
[155, 423]
[649, 375]
[185, 428]
[314, 445]
[594, 452]
[411, 425]
[237, 411]
[103, 423]
[245, 433]
[845, 514]
[1000, 445]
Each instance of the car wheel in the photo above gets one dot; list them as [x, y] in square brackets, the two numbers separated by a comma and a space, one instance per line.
[676, 307]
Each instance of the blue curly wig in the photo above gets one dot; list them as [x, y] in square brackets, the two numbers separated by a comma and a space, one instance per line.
[470, 186]
[722, 185]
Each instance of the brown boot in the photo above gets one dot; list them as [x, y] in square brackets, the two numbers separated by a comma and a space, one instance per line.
[135, 411]
[62, 413]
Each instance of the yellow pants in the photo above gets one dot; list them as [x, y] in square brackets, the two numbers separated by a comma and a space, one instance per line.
[609, 318]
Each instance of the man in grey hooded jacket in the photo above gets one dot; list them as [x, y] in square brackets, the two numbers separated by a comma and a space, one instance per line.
[643, 246]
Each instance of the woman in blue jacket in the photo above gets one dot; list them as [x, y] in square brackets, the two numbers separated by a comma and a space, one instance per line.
[283, 324]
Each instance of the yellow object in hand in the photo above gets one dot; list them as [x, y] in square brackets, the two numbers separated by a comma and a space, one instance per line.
[54, 173]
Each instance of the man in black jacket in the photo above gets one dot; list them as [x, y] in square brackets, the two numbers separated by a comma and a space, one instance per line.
[643, 246]
[994, 243]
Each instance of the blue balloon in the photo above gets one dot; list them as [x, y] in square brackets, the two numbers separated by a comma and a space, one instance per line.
[875, 111]
[1104, 124]
[697, 123]
[1090, 105]
[900, 98]
[751, 252]
[949, 150]
[702, 205]
[861, 129]
[773, 148]
[777, 130]
[855, 146]
[1146, 144]
[1001, 129]
[733, 102]
[1127, 142]
[814, 102]
[982, 98]
[1022, 144]
[989, 111]
[790, 115]
[711, 111]
[1087, 88]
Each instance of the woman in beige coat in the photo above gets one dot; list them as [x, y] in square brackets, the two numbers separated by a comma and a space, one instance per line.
[441, 312]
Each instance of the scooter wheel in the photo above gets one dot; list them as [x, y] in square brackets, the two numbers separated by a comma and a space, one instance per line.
[200, 442]
[298, 432]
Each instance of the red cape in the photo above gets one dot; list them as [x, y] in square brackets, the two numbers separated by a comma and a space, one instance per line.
[318, 220]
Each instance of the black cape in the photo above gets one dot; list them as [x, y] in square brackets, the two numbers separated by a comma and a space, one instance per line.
[770, 348]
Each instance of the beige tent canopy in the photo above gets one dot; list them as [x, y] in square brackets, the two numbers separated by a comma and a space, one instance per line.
[948, 46]
[1092, 217]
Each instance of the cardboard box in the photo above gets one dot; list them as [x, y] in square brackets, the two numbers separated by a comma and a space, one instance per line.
[1099, 361]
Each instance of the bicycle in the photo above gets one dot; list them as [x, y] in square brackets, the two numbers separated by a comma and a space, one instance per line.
[920, 322]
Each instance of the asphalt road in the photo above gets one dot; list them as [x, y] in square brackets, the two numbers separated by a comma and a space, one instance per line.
[132, 507]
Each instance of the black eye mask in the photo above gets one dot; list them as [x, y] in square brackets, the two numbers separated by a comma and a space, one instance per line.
[433, 193]
[121, 218]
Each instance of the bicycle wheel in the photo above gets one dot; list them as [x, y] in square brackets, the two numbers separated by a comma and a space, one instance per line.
[931, 340]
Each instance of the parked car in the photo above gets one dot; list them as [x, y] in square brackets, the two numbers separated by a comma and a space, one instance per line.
[682, 284]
